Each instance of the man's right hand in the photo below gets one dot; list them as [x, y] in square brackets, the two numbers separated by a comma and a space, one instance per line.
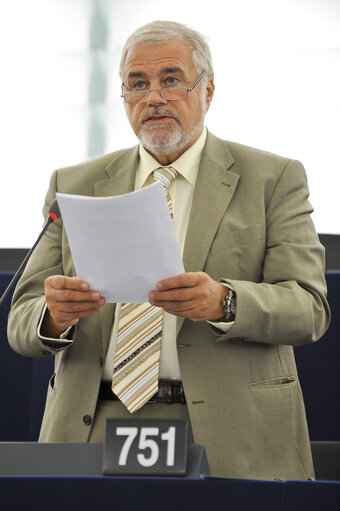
[68, 299]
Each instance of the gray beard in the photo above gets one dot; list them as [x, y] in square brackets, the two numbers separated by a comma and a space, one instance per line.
[164, 142]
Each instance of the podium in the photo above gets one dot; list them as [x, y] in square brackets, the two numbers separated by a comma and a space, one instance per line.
[37, 477]
[73, 459]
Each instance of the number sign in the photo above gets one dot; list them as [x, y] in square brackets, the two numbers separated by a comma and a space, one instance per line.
[145, 447]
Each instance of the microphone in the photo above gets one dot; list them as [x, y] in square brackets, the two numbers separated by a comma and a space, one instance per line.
[53, 214]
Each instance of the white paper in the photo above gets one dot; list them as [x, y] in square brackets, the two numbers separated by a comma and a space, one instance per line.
[122, 245]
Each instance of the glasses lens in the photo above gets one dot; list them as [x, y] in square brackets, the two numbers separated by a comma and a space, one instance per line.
[136, 97]
[174, 93]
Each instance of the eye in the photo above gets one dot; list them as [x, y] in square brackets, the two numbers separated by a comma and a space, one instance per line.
[171, 81]
[140, 85]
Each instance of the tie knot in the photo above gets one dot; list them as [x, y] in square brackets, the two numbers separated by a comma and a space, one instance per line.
[166, 175]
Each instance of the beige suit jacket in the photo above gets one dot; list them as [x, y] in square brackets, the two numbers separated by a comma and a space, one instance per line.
[250, 226]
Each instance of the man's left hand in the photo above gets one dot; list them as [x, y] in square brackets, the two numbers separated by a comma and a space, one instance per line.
[191, 295]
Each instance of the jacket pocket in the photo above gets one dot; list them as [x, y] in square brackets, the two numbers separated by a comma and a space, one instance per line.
[52, 383]
[279, 381]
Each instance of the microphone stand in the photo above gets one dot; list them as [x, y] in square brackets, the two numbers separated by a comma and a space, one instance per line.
[52, 216]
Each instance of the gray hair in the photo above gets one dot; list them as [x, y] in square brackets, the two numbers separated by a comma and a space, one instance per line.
[158, 31]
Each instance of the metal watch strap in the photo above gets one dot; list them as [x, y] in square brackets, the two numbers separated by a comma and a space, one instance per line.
[229, 305]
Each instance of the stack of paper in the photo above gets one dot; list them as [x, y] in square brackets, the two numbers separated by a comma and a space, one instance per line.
[122, 245]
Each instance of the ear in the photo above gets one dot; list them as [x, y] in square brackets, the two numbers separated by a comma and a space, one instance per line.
[209, 92]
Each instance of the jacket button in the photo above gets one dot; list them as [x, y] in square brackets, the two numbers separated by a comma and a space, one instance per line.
[101, 361]
[87, 420]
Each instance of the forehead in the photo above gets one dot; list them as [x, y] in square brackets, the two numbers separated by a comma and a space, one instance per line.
[155, 57]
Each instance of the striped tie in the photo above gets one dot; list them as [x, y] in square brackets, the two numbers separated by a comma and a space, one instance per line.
[136, 364]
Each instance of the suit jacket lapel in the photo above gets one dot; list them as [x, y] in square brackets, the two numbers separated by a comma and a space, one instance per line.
[121, 174]
[214, 189]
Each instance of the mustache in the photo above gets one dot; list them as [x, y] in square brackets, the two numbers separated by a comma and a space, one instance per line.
[158, 110]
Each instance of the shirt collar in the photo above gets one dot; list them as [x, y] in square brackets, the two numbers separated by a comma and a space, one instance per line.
[187, 164]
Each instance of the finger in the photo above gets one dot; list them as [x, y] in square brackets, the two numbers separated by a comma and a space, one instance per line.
[73, 312]
[62, 288]
[179, 281]
[63, 282]
[68, 317]
[172, 295]
[193, 313]
[178, 310]
[76, 307]
[68, 295]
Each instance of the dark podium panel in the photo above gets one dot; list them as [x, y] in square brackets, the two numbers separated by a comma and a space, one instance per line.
[326, 458]
[164, 494]
[55, 477]
[34, 459]
[140, 494]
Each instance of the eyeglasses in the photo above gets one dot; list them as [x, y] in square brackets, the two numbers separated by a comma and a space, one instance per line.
[168, 93]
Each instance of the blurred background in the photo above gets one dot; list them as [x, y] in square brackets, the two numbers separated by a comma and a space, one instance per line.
[277, 76]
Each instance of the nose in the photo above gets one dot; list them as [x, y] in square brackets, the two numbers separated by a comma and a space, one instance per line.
[155, 98]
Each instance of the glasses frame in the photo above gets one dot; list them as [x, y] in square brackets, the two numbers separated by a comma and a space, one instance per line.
[148, 91]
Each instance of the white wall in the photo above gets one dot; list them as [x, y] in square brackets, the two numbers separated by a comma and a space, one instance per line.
[277, 76]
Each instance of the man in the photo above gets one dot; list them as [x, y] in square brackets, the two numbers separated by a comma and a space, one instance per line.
[253, 288]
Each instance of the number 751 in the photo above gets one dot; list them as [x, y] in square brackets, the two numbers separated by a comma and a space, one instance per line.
[145, 443]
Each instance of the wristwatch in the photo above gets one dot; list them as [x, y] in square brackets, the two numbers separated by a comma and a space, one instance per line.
[229, 305]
